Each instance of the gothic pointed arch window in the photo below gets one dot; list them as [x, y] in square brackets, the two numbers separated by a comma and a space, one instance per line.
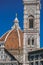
[32, 41]
[31, 21]
[28, 41]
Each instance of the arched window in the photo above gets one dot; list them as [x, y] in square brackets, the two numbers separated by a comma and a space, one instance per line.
[32, 41]
[28, 41]
[31, 21]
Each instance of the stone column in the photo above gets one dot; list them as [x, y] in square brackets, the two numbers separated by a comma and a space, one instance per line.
[24, 49]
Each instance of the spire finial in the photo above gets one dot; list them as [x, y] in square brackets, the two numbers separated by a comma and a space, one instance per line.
[16, 14]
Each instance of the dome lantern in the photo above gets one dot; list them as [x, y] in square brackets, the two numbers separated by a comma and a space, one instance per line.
[16, 19]
[16, 23]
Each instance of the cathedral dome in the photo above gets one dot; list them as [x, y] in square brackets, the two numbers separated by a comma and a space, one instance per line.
[13, 39]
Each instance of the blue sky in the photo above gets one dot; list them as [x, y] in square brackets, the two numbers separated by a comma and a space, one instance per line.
[8, 10]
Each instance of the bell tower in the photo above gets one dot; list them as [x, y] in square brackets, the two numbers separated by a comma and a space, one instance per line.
[32, 23]
[31, 27]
